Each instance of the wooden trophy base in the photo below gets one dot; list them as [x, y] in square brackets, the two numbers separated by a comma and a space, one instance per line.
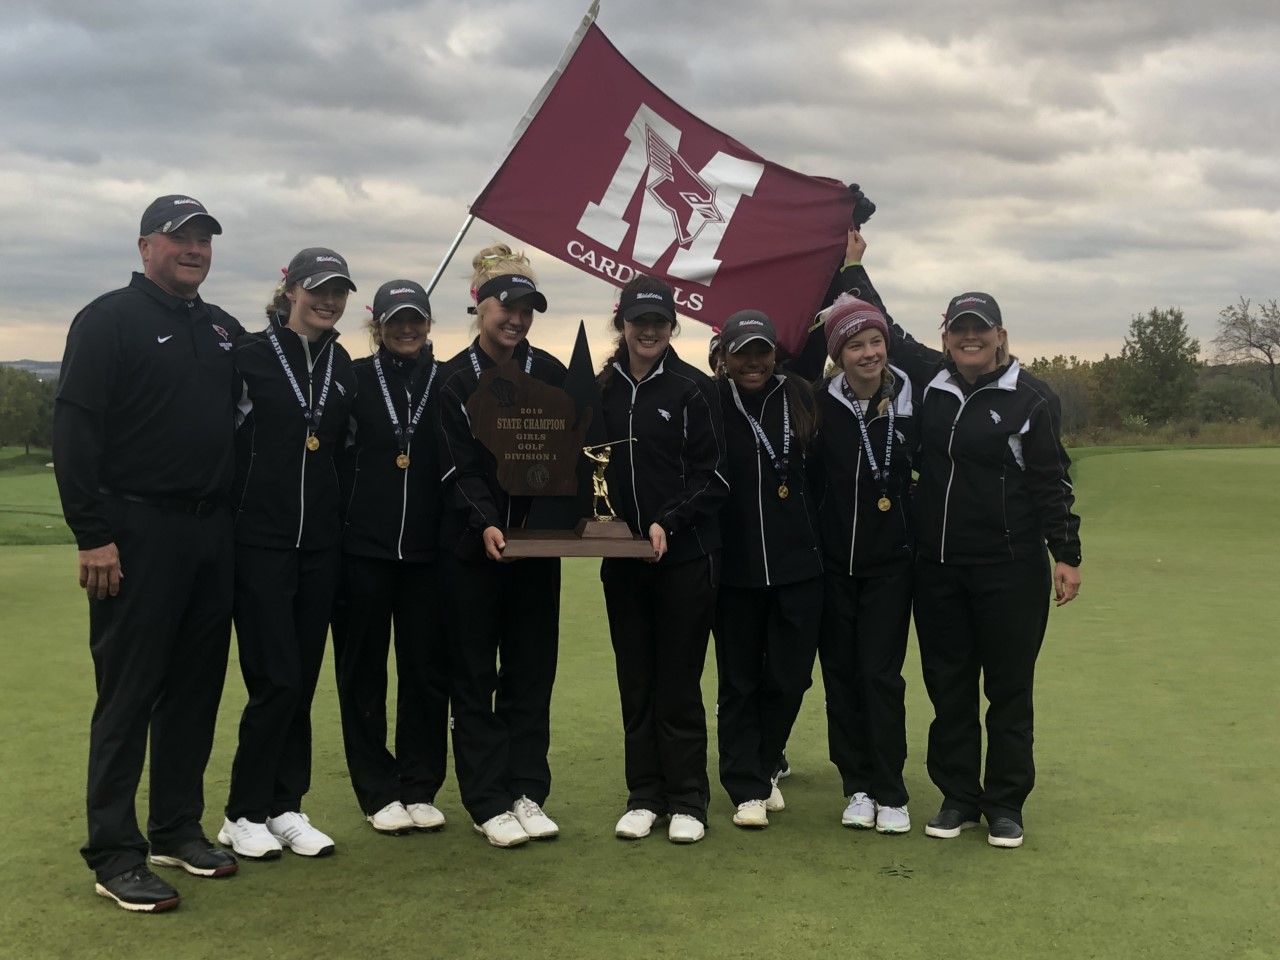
[592, 538]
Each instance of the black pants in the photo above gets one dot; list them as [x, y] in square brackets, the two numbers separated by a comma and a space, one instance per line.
[766, 638]
[864, 642]
[160, 659]
[507, 613]
[984, 619]
[374, 593]
[659, 619]
[284, 600]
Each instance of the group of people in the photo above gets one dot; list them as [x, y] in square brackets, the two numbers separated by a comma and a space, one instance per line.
[267, 478]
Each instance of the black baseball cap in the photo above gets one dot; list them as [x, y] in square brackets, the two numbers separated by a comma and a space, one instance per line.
[166, 214]
[636, 303]
[396, 295]
[509, 288]
[981, 305]
[743, 327]
[314, 265]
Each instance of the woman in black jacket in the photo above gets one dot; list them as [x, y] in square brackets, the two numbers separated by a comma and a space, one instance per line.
[668, 484]
[770, 601]
[391, 492]
[497, 610]
[863, 457]
[293, 413]
[994, 491]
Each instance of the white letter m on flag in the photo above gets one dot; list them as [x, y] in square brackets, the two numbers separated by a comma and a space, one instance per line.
[681, 206]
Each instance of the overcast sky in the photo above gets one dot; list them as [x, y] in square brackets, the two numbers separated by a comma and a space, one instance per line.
[1082, 161]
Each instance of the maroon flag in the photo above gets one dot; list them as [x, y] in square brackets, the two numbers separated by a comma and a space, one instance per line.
[609, 174]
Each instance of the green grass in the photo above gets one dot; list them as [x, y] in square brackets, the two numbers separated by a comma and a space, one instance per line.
[1151, 833]
[29, 509]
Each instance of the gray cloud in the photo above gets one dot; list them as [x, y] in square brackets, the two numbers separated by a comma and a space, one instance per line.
[1082, 161]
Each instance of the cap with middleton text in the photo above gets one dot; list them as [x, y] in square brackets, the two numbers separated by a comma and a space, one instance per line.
[743, 327]
[636, 303]
[981, 305]
[166, 214]
[314, 265]
[508, 288]
[396, 295]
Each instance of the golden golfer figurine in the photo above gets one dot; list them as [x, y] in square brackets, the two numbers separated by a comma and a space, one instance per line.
[599, 486]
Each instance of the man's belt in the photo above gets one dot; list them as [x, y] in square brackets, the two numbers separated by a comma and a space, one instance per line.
[197, 508]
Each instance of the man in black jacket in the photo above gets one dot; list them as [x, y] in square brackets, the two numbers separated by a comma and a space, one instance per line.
[143, 455]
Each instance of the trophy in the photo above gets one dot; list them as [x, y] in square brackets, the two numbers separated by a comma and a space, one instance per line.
[600, 486]
[602, 525]
[540, 436]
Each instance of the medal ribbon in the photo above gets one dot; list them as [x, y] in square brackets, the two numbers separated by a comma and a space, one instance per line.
[475, 361]
[312, 416]
[881, 476]
[404, 435]
[780, 464]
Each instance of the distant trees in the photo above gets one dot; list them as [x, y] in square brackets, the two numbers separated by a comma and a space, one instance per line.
[1245, 334]
[1158, 378]
[26, 409]
[1074, 382]
[1159, 364]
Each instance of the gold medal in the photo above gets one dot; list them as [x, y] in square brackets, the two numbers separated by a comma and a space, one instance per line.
[402, 461]
[783, 491]
[313, 442]
[884, 504]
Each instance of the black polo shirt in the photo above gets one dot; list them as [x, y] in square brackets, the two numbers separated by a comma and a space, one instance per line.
[147, 391]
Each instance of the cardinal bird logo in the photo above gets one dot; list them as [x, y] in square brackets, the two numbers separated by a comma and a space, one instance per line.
[684, 194]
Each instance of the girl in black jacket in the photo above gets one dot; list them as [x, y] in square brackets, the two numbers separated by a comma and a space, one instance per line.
[770, 600]
[668, 484]
[498, 611]
[391, 492]
[863, 457]
[994, 490]
[293, 413]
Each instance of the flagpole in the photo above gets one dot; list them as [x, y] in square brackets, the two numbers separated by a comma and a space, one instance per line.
[453, 248]
[592, 12]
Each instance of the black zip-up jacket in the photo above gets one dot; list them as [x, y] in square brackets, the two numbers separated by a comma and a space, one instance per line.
[145, 405]
[285, 495]
[994, 479]
[768, 540]
[858, 538]
[673, 474]
[392, 514]
[471, 496]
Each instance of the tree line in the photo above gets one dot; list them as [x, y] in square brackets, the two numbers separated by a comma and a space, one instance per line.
[1158, 378]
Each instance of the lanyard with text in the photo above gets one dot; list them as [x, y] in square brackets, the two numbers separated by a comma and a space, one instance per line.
[781, 465]
[404, 435]
[312, 416]
[475, 361]
[881, 475]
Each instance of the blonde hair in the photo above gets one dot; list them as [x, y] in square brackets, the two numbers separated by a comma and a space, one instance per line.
[498, 259]
[278, 304]
[887, 383]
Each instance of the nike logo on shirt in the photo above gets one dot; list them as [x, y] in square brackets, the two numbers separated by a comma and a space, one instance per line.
[164, 339]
